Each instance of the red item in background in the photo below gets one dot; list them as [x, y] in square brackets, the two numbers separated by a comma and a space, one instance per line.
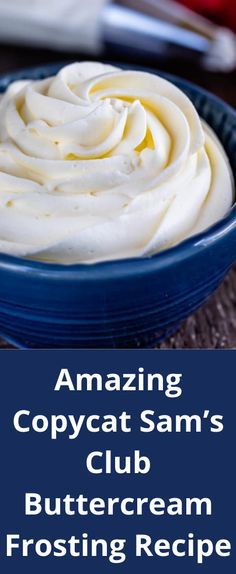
[221, 11]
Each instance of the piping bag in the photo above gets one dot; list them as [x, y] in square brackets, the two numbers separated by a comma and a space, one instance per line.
[154, 27]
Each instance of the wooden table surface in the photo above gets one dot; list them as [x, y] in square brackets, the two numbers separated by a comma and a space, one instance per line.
[214, 325]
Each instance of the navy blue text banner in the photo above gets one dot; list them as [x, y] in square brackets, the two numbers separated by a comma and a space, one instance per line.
[117, 461]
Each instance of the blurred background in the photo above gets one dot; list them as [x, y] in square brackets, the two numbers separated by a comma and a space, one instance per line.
[194, 39]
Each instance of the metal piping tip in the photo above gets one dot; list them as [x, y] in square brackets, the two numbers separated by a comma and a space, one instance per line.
[169, 28]
[221, 55]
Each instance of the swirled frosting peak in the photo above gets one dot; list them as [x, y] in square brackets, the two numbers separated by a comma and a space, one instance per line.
[99, 163]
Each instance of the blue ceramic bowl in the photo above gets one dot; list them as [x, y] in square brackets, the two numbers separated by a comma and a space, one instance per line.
[126, 303]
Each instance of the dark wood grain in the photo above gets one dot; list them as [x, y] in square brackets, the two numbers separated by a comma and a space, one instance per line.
[214, 325]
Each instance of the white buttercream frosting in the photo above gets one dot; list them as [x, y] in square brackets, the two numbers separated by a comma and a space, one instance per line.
[98, 163]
